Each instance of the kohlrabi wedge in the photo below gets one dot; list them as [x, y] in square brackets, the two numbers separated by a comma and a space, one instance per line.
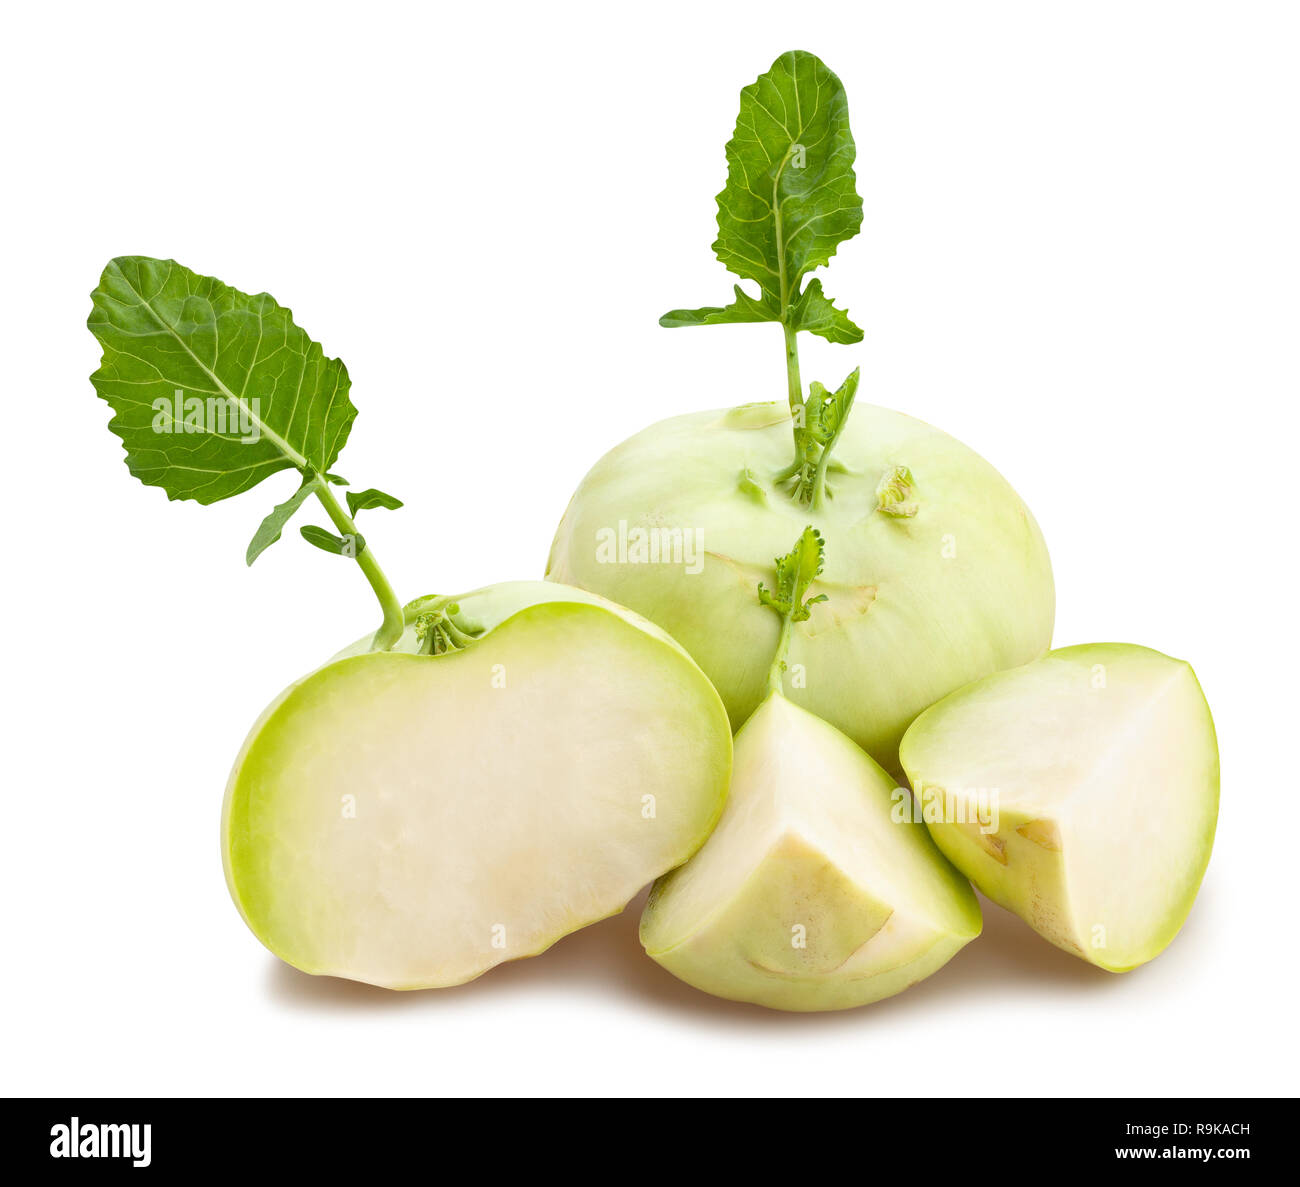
[478, 777]
[938, 574]
[814, 892]
[1080, 791]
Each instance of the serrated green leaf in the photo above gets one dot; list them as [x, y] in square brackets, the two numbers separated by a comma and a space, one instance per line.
[790, 198]
[795, 572]
[744, 309]
[351, 545]
[360, 500]
[816, 313]
[256, 394]
[269, 530]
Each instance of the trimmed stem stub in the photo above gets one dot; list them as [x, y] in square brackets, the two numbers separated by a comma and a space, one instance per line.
[440, 626]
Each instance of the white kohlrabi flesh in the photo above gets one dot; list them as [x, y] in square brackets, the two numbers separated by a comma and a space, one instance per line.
[412, 820]
[1100, 767]
[814, 892]
[936, 573]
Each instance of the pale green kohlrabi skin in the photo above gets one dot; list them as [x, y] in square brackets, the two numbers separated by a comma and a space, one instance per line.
[917, 604]
[1080, 791]
[411, 820]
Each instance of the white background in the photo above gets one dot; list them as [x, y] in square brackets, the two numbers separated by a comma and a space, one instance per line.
[1080, 255]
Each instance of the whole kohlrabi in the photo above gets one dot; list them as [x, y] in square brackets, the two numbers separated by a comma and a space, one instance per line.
[937, 575]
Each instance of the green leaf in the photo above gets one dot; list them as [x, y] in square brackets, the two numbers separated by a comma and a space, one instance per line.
[790, 198]
[795, 572]
[270, 528]
[212, 389]
[826, 412]
[360, 500]
[816, 313]
[351, 545]
[744, 309]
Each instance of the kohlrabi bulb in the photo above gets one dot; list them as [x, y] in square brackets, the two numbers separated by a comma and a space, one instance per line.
[936, 573]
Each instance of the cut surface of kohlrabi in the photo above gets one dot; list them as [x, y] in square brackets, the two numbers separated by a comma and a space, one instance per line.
[411, 819]
[1101, 768]
[936, 573]
[814, 892]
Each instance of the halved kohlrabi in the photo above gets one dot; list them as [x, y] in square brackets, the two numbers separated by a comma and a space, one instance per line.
[814, 892]
[412, 819]
[937, 575]
[473, 780]
[1080, 791]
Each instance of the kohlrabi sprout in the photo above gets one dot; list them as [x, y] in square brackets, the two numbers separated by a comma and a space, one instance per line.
[936, 573]
[472, 781]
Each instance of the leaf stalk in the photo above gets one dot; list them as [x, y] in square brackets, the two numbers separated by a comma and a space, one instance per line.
[390, 630]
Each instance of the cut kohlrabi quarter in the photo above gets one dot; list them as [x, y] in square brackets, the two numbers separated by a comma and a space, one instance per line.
[812, 893]
[1080, 791]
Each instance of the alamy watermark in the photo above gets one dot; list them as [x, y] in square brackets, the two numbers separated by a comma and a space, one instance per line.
[84, 1139]
[934, 805]
[217, 416]
[650, 546]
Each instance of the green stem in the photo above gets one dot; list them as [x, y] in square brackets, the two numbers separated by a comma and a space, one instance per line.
[813, 494]
[819, 482]
[794, 391]
[776, 672]
[794, 385]
[394, 623]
